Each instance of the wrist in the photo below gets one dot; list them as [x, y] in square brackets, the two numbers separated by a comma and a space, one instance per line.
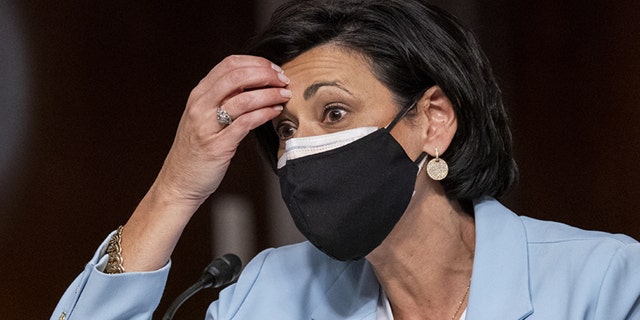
[152, 232]
[170, 189]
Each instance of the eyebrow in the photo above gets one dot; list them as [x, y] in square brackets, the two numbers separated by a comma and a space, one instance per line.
[312, 89]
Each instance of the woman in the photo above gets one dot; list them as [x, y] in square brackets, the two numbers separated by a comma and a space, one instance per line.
[360, 105]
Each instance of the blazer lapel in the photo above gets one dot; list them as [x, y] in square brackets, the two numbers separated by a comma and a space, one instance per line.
[353, 296]
[500, 279]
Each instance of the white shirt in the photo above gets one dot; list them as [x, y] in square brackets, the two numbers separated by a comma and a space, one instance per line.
[383, 311]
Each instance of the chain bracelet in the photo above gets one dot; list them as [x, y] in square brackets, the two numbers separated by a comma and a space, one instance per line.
[114, 264]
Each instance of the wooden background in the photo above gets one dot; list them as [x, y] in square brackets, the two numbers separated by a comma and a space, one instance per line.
[109, 79]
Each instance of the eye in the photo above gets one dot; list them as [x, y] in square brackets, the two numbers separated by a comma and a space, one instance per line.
[285, 130]
[333, 113]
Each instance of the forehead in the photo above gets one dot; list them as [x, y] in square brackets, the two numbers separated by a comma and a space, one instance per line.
[330, 64]
[327, 54]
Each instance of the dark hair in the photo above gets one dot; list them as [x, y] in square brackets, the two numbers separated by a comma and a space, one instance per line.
[410, 46]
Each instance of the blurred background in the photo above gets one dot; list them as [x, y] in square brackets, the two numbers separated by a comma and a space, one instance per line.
[91, 93]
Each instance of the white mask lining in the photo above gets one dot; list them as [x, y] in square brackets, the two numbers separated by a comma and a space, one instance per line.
[305, 146]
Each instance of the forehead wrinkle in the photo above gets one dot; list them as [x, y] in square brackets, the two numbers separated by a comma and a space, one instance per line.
[312, 89]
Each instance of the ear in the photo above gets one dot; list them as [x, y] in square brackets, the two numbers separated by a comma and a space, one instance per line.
[441, 120]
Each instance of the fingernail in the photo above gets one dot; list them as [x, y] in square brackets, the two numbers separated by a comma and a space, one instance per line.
[283, 78]
[276, 68]
[278, 108]
[285, 93]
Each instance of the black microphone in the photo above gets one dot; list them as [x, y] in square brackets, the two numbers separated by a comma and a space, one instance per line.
[221, 271]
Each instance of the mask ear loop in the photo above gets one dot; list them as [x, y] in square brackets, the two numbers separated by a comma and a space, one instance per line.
[423, 156]
[400, 115]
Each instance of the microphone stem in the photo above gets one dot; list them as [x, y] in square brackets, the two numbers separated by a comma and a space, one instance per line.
[182, 298]
[221, 271]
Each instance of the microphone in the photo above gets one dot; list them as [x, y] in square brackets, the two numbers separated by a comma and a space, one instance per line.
[221, 271]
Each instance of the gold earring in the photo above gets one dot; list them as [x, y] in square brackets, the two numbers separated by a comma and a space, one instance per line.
[437, 168]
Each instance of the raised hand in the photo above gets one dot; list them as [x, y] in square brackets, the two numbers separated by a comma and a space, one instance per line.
[251, 91]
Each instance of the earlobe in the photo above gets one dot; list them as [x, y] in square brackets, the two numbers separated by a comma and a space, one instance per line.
[441, 120]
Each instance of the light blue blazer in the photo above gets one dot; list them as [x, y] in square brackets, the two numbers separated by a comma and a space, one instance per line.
[523, 269]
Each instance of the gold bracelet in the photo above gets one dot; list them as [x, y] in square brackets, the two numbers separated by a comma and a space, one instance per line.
[114, 265]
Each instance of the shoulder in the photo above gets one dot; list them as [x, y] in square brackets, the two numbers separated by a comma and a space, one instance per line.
[301, 261]
[549, 235]
[286, 280]
[297, 258]
[568, 272]
[550, 243]
[597, 273]
[541, 232]
[558, 240]
[553, 241]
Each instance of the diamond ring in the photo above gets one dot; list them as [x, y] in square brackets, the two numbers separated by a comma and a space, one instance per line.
[223, 117]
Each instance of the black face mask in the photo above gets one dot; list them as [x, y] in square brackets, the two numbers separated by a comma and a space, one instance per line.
[347, 200]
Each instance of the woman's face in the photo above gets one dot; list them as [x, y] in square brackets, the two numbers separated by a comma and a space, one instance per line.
[334, 90]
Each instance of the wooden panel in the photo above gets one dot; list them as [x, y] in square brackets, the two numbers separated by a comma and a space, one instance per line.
[572, 72]
[110, 80]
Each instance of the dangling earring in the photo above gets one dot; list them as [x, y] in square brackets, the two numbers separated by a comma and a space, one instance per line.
[437, 168]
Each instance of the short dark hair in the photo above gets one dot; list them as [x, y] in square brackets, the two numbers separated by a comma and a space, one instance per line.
[410, 46]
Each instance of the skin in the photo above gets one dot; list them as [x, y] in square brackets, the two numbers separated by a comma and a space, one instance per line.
[424, 265]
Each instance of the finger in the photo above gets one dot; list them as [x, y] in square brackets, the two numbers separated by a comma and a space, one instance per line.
[237, 130]
[228, 88]
[245, 79]
[239, 61]
[248, 101]
[237, 73]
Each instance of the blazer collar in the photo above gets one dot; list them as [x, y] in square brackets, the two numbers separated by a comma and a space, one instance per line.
[353, 296]
[500, 277]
